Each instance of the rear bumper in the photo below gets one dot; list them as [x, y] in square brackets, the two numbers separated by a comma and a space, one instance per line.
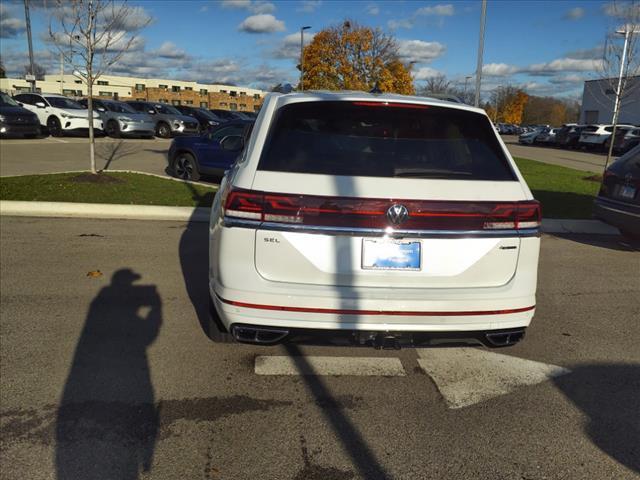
[242, 296]
[619, 214]
[364, 319]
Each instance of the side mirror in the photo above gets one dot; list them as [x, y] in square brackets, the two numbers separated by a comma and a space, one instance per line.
[101, 109]
[40, 105]
[152, 112]
[232, 143]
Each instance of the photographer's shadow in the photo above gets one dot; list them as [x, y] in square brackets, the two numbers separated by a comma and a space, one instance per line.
[107, 422]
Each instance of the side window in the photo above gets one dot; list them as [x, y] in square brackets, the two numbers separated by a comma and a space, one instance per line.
[225, 131]
[136, 106]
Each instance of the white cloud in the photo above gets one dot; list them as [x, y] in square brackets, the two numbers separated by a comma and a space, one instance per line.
[262, 23]
[574, 14]
[420, 51]
[309, 6]
[436, 10]
[499, 69]
[372, 9]
[400, 23]
[10, 24]
[425, 73]
[256, 7]
[564, 65]
[289, 47]
[170, 50]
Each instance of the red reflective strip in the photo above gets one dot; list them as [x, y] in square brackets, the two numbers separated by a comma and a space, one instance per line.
[388, 104]
[374, 312]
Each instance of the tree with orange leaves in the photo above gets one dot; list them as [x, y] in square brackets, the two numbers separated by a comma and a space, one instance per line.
[353, 57]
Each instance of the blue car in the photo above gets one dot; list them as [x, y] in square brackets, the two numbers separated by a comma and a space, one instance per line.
[210, 153]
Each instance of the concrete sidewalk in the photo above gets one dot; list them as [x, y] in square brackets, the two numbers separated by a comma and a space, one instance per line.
[152, 212]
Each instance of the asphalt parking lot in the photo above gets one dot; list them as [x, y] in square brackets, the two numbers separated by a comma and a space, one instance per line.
[51, 155]
[109, 376]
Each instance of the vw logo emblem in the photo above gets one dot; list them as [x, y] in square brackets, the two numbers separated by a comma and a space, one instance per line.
[397, 214]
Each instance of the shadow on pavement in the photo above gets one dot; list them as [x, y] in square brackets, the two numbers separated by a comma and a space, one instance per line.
[107, 423]
[609, 395]
[611, 242]
[194, 259]
[362, 457]
[114, 151]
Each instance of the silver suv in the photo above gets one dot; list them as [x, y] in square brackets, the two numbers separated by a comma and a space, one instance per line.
[120, 119]
[169, 122]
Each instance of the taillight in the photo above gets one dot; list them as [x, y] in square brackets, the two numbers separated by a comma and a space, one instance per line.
[347, 212]
[244, 204]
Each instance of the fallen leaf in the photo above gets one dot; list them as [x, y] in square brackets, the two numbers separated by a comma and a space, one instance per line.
[94, 274]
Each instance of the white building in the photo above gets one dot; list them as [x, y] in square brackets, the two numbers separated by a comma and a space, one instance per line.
[109, 85]
[598, 100]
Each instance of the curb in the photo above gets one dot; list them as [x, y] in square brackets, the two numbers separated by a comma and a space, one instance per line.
[102, 210]
[201, 214]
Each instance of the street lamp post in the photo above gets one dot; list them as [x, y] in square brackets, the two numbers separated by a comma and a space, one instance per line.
[466, 79]
[30, 78]
[302, 29]
[483, 21]
[627, 32]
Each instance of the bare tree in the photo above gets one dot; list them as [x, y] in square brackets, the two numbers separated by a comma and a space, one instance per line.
[621, 60]
[38, 70]
[91, 36]
[437, 84]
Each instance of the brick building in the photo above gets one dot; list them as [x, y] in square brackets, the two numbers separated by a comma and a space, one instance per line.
[175, 92]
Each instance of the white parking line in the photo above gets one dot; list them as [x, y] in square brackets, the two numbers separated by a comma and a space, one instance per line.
[337, 366]
[465, 376]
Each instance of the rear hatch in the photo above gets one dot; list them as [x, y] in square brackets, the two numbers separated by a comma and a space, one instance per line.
[376, 194]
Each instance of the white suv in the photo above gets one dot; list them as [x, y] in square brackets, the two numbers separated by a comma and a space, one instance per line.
[58, 113]
[384, 219]
[595, 136]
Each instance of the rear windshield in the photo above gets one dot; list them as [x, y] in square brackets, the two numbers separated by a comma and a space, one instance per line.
[378, 140]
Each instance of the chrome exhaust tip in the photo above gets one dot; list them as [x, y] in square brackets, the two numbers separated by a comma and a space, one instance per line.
[259, 335]
[504, 338]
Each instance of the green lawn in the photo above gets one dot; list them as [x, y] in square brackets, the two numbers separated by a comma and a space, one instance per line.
[123, 188]
[563, 192]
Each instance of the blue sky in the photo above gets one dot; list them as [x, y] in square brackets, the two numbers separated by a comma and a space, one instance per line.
[548, 47]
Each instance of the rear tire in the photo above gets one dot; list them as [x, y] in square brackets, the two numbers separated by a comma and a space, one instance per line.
[54, 127]
[216, 331]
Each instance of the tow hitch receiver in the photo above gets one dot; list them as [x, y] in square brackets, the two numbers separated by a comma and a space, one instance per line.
[386, 341]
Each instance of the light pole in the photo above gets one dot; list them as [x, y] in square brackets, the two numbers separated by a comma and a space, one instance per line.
[627, 32]
[30, 78]
[483, 21]
[302, 29]
[466, 79]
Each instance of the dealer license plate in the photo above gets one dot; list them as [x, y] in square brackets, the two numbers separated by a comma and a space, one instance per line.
[380, 254]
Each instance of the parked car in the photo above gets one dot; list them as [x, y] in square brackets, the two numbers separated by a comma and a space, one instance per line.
[121, 120]
[618, 202]
[304, 237]
[211, 153]
[226, 115]
[569, 135]
[16, 120]
[169, 122]
[626, 139]
[530, 137]
[59, 114]
[594, 136]
[547, 136]
[206, 119]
